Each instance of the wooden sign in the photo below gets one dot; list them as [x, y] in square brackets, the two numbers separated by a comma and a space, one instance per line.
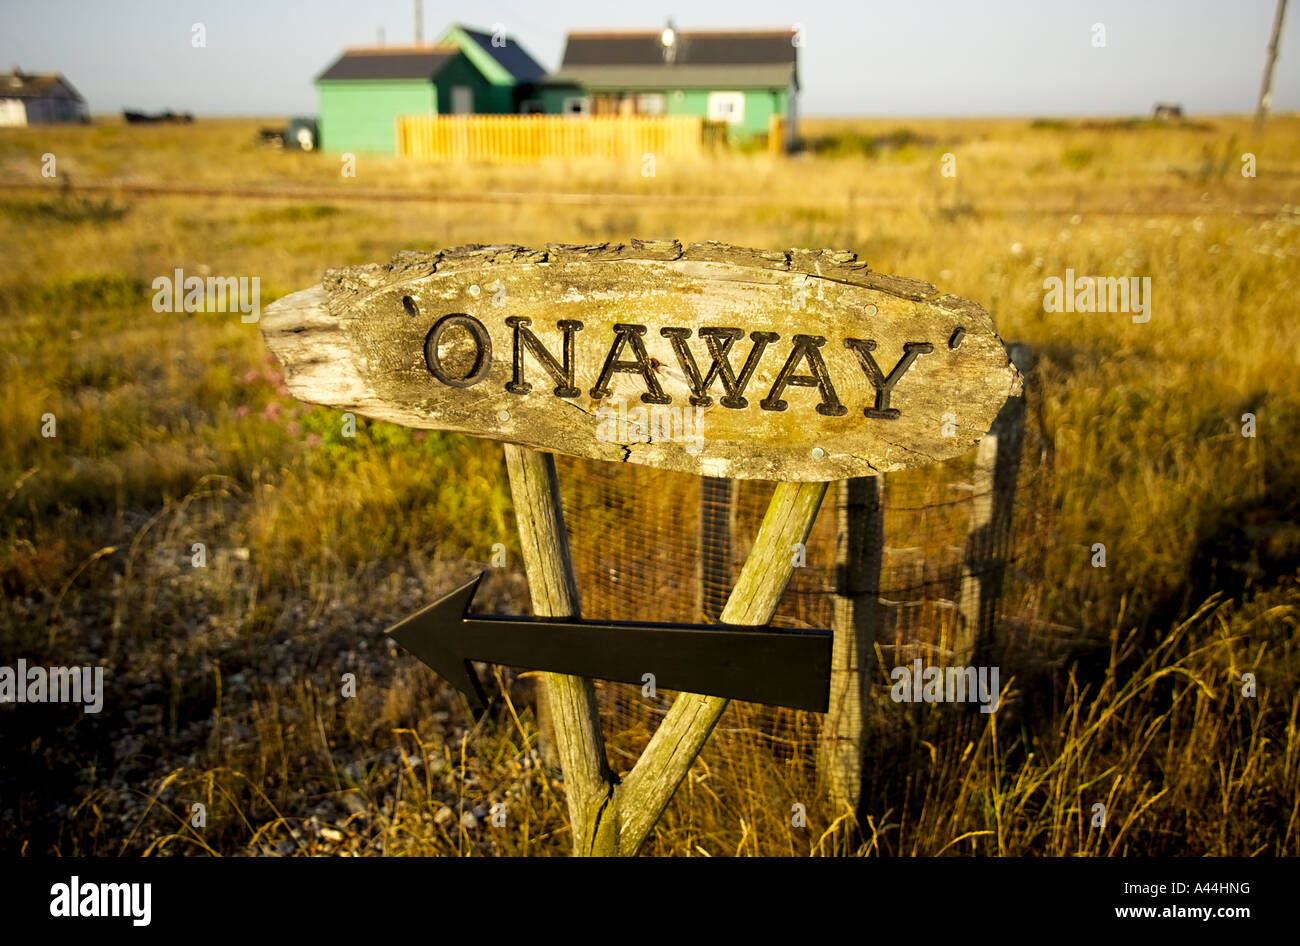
[716, 360]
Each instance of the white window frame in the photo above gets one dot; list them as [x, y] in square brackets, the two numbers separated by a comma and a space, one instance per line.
[658, 100]
[726, 107]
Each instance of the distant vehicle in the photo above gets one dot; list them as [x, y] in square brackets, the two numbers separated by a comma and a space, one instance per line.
[167, 117]
[299, 135]
[302, 134]
[1164, 112]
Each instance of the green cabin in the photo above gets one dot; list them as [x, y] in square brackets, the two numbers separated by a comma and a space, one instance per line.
[511, 73]
[468, 72]
[737, 78]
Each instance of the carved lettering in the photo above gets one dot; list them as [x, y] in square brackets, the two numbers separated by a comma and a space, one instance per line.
[884, 384]
[561, 373]
[805, 348]
[482, 350]
[630, 336]
[719, 342]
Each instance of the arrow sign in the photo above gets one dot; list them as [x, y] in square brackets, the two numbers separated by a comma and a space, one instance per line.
[779, 667]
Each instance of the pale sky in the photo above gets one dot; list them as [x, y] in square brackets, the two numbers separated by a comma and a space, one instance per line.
[860, 57]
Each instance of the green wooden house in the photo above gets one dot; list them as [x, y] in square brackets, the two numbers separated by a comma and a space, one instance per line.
[511, 73]
[740, 78]
[366, 89]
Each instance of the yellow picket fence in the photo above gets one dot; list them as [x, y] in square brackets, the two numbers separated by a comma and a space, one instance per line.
[531, 137]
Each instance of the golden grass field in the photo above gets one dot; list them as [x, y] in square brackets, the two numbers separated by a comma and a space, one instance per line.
[224, 682]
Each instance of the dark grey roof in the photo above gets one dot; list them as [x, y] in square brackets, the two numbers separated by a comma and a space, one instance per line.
[598, 78]
[739, 48]
[512, 57]
[390, 62]
[23, 85]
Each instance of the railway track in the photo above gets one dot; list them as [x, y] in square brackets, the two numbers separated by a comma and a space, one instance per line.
[696, 203]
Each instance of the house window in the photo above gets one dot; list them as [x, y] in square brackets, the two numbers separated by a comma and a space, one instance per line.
[462, 100]
[650, 103]
[576, 105]
[727, 107]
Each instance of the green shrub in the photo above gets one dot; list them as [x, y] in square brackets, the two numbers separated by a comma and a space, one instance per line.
[1077, 158]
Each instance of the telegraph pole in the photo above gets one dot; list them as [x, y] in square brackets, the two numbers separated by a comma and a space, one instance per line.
[1266, 90]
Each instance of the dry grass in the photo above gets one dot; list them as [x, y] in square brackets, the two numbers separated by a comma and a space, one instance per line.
[225, 682]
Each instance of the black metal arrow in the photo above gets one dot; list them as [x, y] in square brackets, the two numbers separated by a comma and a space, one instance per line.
[770, 665]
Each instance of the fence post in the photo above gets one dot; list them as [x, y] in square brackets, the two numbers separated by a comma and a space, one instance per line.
[775, 135]
[570, 701]
[716, 504]
[988, 540]
[855, 624]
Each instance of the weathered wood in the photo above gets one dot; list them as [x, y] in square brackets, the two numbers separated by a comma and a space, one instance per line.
[717, 504]
[856, 624]
[988, 540]
[597, 351]
[648, 788]
[570, 701]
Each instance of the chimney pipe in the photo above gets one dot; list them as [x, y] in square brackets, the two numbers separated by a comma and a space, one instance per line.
[668, 39]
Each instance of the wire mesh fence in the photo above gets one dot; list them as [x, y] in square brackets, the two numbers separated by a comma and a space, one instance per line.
[956, 550]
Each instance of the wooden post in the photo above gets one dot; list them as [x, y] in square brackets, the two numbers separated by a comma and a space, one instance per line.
[1266, 88]
[650, 785]
[775, 135]
[716, 504]
[608, 819]
[570, 701]
[855, 624]
[997, 467]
